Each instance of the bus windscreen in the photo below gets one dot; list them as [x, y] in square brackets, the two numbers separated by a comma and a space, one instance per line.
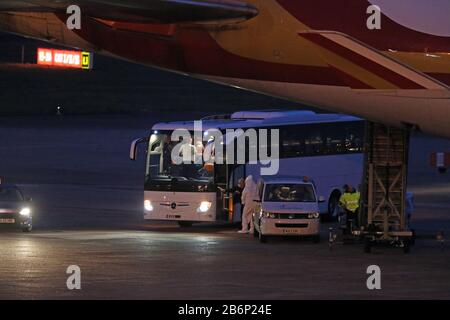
[163, 174]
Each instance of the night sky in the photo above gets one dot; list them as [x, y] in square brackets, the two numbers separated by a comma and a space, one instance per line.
[430, 16]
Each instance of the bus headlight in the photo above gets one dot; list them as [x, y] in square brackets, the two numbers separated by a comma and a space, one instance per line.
[25, 212]
[314, 215]
[269, 215]
[204, 206]
[148, 205]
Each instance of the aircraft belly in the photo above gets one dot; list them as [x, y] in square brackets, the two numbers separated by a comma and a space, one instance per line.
[42, 26]
[429, 110]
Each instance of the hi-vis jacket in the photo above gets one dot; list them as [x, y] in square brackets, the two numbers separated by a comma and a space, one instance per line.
[350, 201]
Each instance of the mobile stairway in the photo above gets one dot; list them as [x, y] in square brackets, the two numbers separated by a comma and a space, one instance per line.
[382, 216]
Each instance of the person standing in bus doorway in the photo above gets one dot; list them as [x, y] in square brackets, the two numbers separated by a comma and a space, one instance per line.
[237, 195]
[349, 201]
[248, 198]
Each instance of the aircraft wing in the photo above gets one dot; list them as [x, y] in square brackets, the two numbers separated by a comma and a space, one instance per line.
[143, 11]
[364, 67]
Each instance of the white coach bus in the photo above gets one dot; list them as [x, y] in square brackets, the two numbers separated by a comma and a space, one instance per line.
[328, 148]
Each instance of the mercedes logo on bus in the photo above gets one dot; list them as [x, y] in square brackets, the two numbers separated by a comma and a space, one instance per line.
[173, 205]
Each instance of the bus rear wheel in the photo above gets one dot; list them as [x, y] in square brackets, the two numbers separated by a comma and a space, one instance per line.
[185, 224]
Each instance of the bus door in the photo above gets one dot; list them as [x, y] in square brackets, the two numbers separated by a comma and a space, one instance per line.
[233, 173]
[231, 200]
[220, 178]
[237, 172]
[226, 178]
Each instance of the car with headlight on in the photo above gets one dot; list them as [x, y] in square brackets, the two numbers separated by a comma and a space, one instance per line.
[15, 209]
[287, 207]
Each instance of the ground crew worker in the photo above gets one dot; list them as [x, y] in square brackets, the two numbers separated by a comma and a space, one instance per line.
[349, 201]
[248, 198]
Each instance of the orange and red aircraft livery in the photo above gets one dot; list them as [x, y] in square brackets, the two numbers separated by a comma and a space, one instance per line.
[384, 60]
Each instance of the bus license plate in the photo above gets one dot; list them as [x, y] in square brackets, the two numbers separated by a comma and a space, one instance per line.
[290, 231]
[7, 221]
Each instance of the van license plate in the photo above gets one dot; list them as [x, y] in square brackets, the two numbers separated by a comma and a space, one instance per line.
[290, 231]
[7, 221]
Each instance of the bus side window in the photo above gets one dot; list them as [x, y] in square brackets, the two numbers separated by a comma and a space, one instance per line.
[292, 142]
[322, 139]
[354, 137]
[314, 142]
[334, 139]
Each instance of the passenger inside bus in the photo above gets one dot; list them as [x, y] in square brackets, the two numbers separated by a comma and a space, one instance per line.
[237, 194]
[162, 164]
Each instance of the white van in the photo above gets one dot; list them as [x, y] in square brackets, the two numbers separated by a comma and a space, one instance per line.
[287, 207]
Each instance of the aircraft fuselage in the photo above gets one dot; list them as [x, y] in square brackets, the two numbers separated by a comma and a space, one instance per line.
[317, 52]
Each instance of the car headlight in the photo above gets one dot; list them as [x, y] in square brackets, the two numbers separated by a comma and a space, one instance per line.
[26, 212]
[314, 215]
[148, 205]
[269, 215]
[204, 206]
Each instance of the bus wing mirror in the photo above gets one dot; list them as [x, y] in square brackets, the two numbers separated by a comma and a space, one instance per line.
[134, 146]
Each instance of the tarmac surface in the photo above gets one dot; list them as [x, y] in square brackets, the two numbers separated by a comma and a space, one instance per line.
[87, 199]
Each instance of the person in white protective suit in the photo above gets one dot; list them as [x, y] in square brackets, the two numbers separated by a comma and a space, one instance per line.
[249, 195]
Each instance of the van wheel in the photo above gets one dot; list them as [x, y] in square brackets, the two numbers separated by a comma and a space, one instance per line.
[185, 224]
[27, 229]
[333, 206]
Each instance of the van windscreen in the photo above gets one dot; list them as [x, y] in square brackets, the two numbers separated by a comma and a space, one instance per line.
[289, 193]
